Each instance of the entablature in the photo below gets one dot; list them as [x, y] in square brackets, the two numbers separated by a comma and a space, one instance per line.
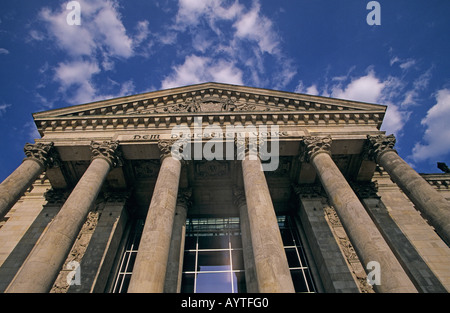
[214, 103]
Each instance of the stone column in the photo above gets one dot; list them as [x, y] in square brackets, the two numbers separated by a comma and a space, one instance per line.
[271, 265]
[42, 266]
[39, 156]
[401, 243]
[98, 259]
[428, 200]
[334, 273]
[363, 233]
[249, 259]
[149, 271]
[176, 253]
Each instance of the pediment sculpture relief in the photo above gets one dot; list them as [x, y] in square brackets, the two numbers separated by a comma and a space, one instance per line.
[211, 104]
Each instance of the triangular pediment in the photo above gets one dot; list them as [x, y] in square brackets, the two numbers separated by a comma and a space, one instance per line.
[216, 103]
[211, 98]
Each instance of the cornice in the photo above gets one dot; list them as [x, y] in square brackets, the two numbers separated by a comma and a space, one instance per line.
[216, 103]
[223, 118]
[280, 99]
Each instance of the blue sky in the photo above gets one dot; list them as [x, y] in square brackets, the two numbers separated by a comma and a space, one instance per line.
[322, 47]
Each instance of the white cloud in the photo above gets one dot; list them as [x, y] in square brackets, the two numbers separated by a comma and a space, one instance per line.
[75, 80]
[423, 80]
[198, 69]
[394, 60]
[436, 140]
[403, 64]
[92, 47]
[77, 72]
[247, 24]
[254, 26]
[3, 108]
[190, 12]
[36, 35]
[74, 40]
[419, 84]
[407, 64]
[242, 37]
[366, 88]
[410, 98]
[394, 120]
[311, 90]
[4, 51]
[100, 29]
[112, 32]
[372, 89]
[142, 33]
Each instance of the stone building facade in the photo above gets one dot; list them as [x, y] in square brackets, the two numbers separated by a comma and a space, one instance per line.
[221, 188]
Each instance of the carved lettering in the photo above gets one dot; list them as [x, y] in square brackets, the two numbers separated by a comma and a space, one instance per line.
[146, 137]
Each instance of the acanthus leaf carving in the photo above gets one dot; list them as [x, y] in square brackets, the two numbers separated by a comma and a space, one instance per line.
[378, 145]
[44, 153]
[107, 150]
[315, 145]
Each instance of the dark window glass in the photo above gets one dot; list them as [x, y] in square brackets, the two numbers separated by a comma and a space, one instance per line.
[189, 261]
[213, 261]
[292, 257]
[239, 282]
[213, 256]
[299, 280]
[128, 258]
[295, 255]
[188, 283]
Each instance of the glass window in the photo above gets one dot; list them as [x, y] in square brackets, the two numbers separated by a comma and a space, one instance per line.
[214, 282]
[213, 260]
[188, 283]
[128, 258]
[213, 256]
[295, 255]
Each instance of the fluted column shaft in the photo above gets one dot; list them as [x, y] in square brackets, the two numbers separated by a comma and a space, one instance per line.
[427, 199]
[151, 261]
[12, 188]
[272, 269]
[42, 266]
[363, 233]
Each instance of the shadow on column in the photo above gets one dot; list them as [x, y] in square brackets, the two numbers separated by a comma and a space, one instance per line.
[15, 259]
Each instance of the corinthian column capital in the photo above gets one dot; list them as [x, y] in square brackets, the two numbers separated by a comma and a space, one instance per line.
[165, 147]
[172, 148]
[43, 153]
[107, 150]
[380, 144]
[314, 146]
[248, 145]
